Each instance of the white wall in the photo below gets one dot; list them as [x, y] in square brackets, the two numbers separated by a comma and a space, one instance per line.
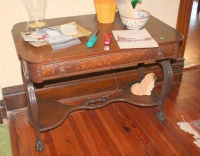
[164, 10]
[13, 12]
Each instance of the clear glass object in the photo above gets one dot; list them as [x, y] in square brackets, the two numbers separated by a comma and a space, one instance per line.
[36, 10]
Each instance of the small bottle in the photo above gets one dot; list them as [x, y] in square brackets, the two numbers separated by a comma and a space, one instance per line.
[134, 2]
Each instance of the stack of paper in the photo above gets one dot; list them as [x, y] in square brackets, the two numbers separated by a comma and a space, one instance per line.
[51, 36]
[134, 39]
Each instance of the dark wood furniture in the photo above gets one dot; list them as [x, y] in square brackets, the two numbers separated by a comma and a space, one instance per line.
[2, 111]
[40, 64]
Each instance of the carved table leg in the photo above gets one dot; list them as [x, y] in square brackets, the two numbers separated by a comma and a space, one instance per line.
[167, 84]
[32, 108]
[34, 111]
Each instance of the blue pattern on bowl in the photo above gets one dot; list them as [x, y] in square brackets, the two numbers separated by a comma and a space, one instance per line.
[137, 22]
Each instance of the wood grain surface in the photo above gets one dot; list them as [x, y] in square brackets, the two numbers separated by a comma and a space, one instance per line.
[119, 128]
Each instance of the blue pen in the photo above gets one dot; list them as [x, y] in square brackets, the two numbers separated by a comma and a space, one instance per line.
[92, 40]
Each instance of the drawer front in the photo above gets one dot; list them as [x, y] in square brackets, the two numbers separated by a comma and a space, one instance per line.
[106, 61]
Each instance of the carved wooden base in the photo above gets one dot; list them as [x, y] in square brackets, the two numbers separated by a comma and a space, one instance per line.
[47, 114]
[52, 113]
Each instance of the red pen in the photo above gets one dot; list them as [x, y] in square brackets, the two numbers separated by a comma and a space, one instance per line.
[107, 38]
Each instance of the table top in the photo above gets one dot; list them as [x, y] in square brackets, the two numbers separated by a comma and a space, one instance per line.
[46, 54]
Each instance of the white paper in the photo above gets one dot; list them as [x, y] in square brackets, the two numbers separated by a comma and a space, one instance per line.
[134, 39]
[52, 33]
[41, 33]
[68, 29]
[29, 38]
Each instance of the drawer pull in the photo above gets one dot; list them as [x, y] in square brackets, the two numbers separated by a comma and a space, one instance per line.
[62, 72]
[160, 55]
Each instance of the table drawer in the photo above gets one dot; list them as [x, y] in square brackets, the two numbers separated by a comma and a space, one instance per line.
[105, 61]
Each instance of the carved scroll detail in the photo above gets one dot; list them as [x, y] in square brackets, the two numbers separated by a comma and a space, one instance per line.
[39, 71]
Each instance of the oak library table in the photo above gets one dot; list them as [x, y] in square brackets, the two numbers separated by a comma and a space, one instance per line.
[43, 63]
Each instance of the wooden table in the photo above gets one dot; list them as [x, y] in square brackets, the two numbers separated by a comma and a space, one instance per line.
[43, 63]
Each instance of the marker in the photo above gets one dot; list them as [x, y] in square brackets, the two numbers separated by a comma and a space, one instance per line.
[92, 40]
[107, 38]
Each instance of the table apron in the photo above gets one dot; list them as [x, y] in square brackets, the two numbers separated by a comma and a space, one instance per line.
[126, 58]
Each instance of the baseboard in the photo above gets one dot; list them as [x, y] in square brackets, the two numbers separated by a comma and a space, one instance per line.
[192, 67]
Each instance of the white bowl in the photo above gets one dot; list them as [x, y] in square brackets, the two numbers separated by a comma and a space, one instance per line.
[137, 22]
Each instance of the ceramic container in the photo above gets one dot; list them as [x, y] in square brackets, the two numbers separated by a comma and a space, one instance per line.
[139, 19]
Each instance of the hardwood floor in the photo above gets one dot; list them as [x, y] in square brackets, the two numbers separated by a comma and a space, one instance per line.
[121, 129]
[192, 50]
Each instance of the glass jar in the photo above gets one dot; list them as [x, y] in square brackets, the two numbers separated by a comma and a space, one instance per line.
[36, 10]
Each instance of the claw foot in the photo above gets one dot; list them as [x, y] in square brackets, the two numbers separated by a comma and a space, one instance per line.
[161, 116]
[39, 146]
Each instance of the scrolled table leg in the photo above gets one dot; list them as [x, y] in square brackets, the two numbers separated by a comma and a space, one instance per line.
[32, 107]
[34, 112]
[167, 84]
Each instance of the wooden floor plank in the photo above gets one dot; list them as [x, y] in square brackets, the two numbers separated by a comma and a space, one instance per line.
[145, 142]
[175, 114]
[26, 137]
[181, 137]
[166, 137]
[59, 141]
[151, 132]
[192, 54]
[31, 136]
[124, 132]
[177, 147]
[50, 148]
[97, 134]
[176, 97]
[13, 134]
[116, 132]
[74, 147]
[183, 102]
[81, 135]
[193, 81]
